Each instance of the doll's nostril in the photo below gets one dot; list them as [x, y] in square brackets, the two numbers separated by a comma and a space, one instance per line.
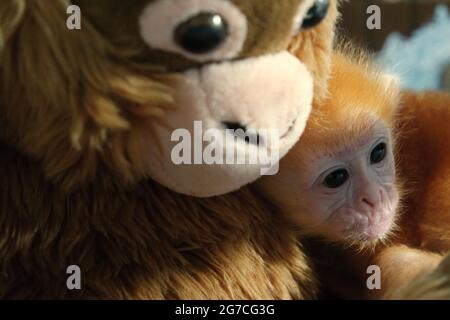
[242, 132]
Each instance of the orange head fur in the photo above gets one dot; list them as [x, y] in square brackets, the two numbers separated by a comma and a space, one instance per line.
[341, 133]
[359, 95]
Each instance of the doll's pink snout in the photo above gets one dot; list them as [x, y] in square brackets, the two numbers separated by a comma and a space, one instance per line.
[268, 92]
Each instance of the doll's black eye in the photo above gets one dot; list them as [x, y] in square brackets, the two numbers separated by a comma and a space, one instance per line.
[378, 153]
[316, 14]
[336, 179]
[202, 33]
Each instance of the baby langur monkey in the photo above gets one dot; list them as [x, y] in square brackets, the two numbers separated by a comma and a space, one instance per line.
[339, 181]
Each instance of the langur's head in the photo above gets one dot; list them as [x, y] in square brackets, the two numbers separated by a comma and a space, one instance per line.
[339, 181]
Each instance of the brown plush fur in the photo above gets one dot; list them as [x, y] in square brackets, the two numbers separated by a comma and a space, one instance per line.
[78, 107]
[141, 242]
[316, 53]
[72, 190]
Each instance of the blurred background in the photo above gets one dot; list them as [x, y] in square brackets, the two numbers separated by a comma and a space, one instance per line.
[413, 42]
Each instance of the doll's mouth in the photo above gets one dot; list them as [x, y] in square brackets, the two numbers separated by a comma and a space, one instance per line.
[252, 136]
[289, 129]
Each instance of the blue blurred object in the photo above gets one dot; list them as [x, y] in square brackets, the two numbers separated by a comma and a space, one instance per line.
[420, 60]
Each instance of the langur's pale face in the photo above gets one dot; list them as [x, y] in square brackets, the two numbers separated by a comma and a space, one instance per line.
[342, 193]
[354, 189]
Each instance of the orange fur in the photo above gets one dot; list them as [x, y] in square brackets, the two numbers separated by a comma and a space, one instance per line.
[351, 108]
[423, 157]
[420, 124]
[359, 95]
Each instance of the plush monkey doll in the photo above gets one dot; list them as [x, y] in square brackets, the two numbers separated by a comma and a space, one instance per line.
[86, 121]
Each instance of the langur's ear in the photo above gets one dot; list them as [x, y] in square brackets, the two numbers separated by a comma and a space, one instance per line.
[11, 13]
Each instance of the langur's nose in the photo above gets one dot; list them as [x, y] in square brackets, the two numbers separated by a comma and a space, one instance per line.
[368, 202]
[370, 198]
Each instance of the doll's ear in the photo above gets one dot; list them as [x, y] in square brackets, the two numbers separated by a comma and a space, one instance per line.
[11, 13]
[90, 100]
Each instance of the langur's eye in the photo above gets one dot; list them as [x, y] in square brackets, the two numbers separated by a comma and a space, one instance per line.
[202, 33]
[336, 179]
[378, 153]
[316, 14]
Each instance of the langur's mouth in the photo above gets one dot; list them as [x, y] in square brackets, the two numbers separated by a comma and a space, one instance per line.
[370, 231]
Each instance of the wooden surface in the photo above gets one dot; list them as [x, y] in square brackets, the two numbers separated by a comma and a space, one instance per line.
[400, 16]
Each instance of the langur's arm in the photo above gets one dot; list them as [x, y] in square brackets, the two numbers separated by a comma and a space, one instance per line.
[411, 274]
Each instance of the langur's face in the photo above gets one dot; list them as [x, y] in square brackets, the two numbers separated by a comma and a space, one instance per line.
[340, 191]
[354, 188]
